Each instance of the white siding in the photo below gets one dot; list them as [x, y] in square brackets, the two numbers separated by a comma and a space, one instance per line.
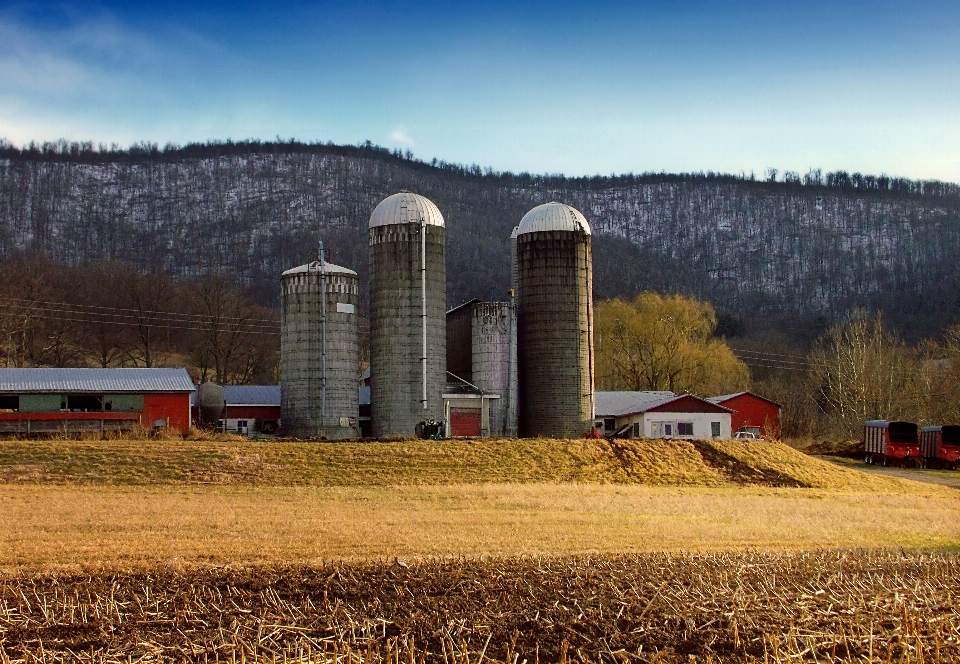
[702, 424]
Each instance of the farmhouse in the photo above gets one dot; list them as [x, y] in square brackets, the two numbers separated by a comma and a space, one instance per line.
[752, 413]
[48, 400]
[251, 409]
[660, 415]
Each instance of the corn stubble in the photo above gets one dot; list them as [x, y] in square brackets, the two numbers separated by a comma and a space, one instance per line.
[833, 606]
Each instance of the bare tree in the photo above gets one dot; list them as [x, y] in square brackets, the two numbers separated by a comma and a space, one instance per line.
[862, 371]
[233, 341]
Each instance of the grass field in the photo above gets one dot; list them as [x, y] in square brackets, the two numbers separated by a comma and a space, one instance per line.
[109, 503]
[239, 462]
[633, 551]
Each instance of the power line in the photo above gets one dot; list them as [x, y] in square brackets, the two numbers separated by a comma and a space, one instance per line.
[138, 312]
[773, 366]
[178, 325]
[761, 352]
[785, 363]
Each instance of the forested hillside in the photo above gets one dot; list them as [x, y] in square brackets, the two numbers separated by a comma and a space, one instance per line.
[792, 251]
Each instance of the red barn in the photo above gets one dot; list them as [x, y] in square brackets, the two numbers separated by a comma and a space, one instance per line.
[752, 412]
[49, 400]
[251, 409]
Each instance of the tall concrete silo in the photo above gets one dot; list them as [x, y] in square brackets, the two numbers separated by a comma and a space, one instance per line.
[319, 352]
[408, 328]
[555, 322]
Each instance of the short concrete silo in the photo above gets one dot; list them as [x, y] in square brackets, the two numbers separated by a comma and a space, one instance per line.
[555, 322]
[319, 352]
[408, 298]
[492, 330]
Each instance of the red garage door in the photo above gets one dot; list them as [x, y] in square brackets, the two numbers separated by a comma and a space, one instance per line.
[464, 422]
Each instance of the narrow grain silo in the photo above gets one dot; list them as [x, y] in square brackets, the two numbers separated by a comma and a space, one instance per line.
[408, 298]
[513, 259]
[491, 332]
[319, 352]
[555, 322]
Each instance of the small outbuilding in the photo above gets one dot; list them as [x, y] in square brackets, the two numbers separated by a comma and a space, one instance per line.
[752, 413]
[251, 409]
[660, 414]
[51, 400]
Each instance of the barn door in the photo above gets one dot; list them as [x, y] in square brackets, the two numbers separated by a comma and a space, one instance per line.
[464, 422]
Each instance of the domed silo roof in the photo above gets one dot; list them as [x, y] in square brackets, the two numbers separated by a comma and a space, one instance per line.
[314, 267]
[553, 217]
[406, 208]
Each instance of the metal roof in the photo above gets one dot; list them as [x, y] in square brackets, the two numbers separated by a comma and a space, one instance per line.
[553, 217]
[58, 380]
[328, 268]
[251, 395]
[613, 404]
[406, 208]
[465, 304]
[617, 404]
[883, 424]
[726, 397]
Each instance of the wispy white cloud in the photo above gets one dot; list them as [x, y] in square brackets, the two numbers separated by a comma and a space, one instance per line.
[93, 76]
[401, 136]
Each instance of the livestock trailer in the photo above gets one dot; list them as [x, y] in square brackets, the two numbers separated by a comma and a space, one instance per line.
[940, 446]
[891, 442]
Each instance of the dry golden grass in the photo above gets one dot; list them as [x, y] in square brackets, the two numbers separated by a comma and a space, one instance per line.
[114, 526]
[414, 462]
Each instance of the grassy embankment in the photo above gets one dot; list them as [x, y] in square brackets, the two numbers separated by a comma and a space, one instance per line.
[235, 461]
[121, 503]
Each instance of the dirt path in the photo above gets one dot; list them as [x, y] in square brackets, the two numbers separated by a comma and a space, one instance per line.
[950, 478]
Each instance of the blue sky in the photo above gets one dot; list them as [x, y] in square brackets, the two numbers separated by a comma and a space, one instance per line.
[575, 88]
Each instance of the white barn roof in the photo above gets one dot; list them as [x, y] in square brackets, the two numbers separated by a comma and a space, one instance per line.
[58, 380]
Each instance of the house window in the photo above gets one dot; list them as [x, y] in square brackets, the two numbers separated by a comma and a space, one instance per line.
[667, 429]
[684, 428]
[715, 429]
[241, 425]
[609, 423]
[636, 429]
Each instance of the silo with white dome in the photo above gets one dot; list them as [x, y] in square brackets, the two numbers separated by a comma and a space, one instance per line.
[554, 275]
[408, 300]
